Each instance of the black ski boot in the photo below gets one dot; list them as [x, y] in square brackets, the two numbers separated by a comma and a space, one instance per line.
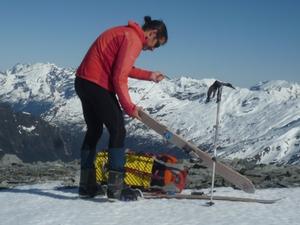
[118, 190]
[88, 188]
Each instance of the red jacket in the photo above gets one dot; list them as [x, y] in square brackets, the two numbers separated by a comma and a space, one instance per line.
[110, 60]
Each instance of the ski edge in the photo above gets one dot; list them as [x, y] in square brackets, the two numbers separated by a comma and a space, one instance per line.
[157, 196]
[207, 197]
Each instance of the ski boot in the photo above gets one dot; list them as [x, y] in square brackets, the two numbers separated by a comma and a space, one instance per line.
[88, 187]
[118, 190]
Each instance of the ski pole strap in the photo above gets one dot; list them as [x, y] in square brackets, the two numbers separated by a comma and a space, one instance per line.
[216, 86]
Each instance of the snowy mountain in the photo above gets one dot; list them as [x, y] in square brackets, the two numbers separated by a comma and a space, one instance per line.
[261, 123]
[41, 89]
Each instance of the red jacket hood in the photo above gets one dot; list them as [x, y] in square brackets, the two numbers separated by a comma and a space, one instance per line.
[138, 30]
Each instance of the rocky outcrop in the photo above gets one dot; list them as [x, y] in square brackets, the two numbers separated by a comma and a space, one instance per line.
[14, 172]
[262, 175]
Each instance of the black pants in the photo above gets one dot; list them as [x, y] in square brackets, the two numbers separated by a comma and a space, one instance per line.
[100, 107]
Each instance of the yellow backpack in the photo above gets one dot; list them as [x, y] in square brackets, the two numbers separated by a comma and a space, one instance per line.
[160, 172]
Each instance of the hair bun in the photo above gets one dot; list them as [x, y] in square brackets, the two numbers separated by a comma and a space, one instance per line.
[147, 19]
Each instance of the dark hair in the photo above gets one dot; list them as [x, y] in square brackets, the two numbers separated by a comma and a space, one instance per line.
[158, 25]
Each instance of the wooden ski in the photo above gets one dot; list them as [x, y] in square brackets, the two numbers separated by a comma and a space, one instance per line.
[223, 170]
[207, 197]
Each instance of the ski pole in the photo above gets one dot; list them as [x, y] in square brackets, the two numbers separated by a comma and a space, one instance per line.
[215, 145]
[217, 86]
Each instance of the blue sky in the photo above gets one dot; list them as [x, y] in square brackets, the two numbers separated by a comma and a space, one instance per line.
[238, 41]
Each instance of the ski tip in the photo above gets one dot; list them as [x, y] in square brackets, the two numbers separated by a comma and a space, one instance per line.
[251, 190]
[248, 187]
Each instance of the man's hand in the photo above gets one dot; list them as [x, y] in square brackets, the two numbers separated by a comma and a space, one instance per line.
[136, 112]
[157, 76]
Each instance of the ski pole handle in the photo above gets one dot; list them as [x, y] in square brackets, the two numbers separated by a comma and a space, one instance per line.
[216, 87]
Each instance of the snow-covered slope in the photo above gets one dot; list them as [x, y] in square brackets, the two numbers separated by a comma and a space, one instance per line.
[45, 204]
[261, 123]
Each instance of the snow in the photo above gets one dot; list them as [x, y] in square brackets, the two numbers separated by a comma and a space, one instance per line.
[27, 129]
[251, 121]
[43, 204]
[259, 123]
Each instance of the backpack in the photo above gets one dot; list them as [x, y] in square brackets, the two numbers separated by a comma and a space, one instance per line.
[168, 173]
[149, 172]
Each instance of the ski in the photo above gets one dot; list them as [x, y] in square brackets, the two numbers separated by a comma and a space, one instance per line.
[155, 195]
[221, 169]
[207, 197]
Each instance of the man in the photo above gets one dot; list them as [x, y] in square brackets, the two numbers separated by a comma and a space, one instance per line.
[101, 76]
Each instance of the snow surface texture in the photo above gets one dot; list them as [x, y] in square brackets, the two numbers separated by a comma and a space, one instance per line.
[43, 204]
[261, 123]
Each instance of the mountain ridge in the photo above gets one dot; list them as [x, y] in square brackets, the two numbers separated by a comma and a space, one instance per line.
[260, 123]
